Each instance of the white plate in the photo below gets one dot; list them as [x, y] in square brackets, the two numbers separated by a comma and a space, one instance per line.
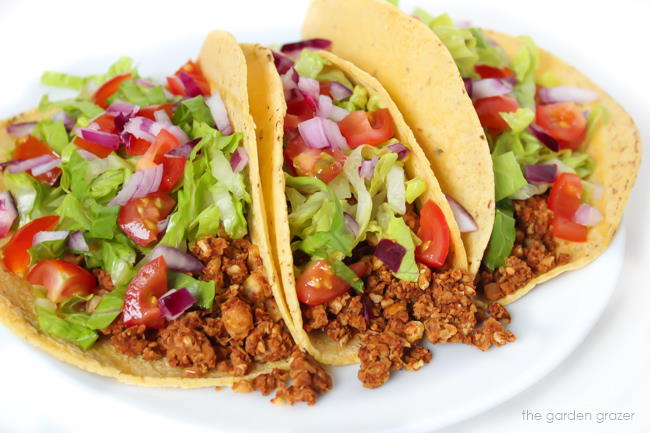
[39, 393]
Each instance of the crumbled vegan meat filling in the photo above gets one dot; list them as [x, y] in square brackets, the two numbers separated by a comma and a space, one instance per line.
[534, 251]
[244, 326]
[438, 307]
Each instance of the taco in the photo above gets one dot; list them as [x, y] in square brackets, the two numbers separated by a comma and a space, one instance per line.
[369, 254]
[565, 155]
[140, 249]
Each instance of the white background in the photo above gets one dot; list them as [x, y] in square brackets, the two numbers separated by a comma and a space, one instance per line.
[608, 40]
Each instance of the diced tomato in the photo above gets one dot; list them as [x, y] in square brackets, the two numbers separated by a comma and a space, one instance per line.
[149, 111]
[139, 217]
[62, 279]
[16, 257]
[141, 298]
[566, 195]
[324, 164]
[107, 89]
[564, 122]
[317, 284]
[137, 146]
[298, 110]
[175, 86]
[163, 143]
[94, 148]
[566, 229]
[372, 128]
[434, 233]
[106, 122]
[488, 110]
[486, 71]
[173, 169]
[193, 69]
[31, 147]
[324, 88]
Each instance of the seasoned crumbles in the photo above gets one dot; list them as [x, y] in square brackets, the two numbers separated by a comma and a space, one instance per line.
[534, 252]
[393, 316]
[243, 327]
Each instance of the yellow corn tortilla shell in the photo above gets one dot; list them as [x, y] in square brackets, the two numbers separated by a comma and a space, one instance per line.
[420, 75]
[223, 64]
[616, 150]
[269, 108]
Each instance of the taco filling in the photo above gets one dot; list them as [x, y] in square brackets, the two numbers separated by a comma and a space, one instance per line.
[369, 262]
[538, 129]
[130, 209]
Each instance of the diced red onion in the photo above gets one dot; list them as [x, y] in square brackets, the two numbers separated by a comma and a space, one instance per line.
[45, 236]
[106, 139]
[147, 129]
[176, 259]
[77, 242]
[184, 150]
[544, 137]
[551, 95]
[489, 87]
[192, 89]
[87, 155]
[337, 113]
[587, 215]
[282, 62]
[289, 82]
[44, 168]
[401, 150]
[144, 83]
[6, 164]
[468, 86]
[122, 107]
[175, 302]
[335, 139]
[367, 308]
[8, 213]
[390, 253]
[162, 224]
[140, 184]
[162, 117]
[219, 113]
[339, 91]
[67, 120]
[396, 189]
[464, 219]
[540, 173]
[316, 44]
[324, 106]
[20, 129]
[239, 159]
[28, 164]
[309, 87]
[351, 224]
[367, 167]
[313, 132]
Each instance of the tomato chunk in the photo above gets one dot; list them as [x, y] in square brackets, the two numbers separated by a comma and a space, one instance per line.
[298, 110]
[318, 284]
[563, 121]
[486, 71]
[16, 257]
[173, 169]
[31, 147]
[62, 279]
[566, 229]
[107, 89]
[141, 298]
[163, 143]
[139, 217]
[434, 233]
[566, 195]
[488, 110]
[372, 128]
[149, 111]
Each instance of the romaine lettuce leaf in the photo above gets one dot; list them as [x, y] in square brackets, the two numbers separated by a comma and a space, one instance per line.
[508, 176]
[310, 64]
[502, 238]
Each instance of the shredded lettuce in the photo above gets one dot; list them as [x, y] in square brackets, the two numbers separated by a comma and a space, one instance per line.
[519, 120]
[310, 64]
[74, 107]
[508, 176]
[118, 258]
[414, 188]
[47, 250]
[108, 309]
[203, 291]
[398, 231]
[52, 324]
[598, 115]
[525, 63]
[193, 110]
[342, 271]
[332, 74]
[52, 133]
[361, 193]
[231, 210]
[502, 238]
[132, 92]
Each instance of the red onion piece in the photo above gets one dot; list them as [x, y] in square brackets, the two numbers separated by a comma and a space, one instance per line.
[367, 167]
[337, 113]
[140, 184]
[544, 138]
[45, 236]
[87, 155]
[489, 87]
[176, 259]
[282, 62]
[335, 139]
[219, 113]
[339, 91]
[21, 129]
[540, 173]
[366, 303]
[106, 139]
[587, 215]
[121, 107]
[316, 44]
[313, 132]
[8, 213]
[175, 302]
[464, 219]
[390, 253]
[192, 89]
[468, 86]
[67, 120]
[401, 150]
[162, 224]
[289, 82]
[28, 164]
[351, 224]
[551, 95]
[239, 159]
[324, 106]
[184, 150]
[77, 242]
[44, 168]
[309, 87]
[144, 83]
